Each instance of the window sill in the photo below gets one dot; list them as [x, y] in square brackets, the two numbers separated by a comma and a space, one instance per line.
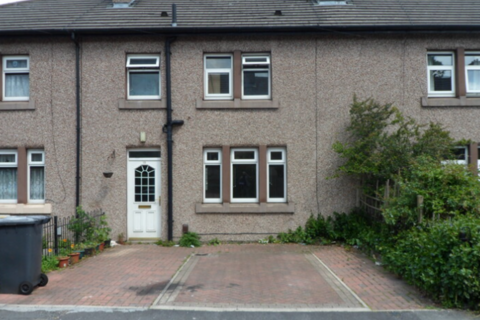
[19, 208]
[17, 105]
[450, 102]
[237, 104]
[124, 104]
[285, 208]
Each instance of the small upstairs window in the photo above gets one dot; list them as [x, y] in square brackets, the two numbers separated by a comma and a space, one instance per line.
[472, 72]
[256, 77]
[330, 2]
[143, 77]
[16, 78]
[218, 76]
[441, 74]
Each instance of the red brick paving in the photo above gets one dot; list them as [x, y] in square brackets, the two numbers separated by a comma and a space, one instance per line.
[378, 288]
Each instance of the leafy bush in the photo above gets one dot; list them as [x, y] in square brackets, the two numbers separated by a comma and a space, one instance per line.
[49, 263]
[165, 243]
[434, 258]
[214, 242]
[297, 236]
[448, 189]
[190, 239]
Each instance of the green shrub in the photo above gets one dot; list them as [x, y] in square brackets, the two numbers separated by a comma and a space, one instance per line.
[190, 239]
[214, 242]
[165, 243]
[49, 263]
[434, 258]
[297, 236]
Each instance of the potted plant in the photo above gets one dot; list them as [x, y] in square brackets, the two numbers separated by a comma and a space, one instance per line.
[63, 258]
[102, 232]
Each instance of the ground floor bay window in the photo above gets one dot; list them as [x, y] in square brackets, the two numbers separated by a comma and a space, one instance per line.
[245, 175]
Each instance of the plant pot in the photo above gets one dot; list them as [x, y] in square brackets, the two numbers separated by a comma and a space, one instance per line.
[97, 248]
[63, 262]
[82, 253]
[89, 252]
[74, 257]
[101, 246]
[107, 243]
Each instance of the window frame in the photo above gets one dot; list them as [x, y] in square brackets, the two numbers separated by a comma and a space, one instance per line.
[207, 162]
[467, 68]
[233, 162]
[451, 68]
[283, 162]
[35, 164]
[207, 71]
[6, 71]
[10, 165]
[268, 68]
[143, 68]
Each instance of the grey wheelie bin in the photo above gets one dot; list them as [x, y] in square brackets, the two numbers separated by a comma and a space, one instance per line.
[21, 253]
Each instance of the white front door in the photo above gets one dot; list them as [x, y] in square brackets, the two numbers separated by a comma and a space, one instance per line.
[144, 197]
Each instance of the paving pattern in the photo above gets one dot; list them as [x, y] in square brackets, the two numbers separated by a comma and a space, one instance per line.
[242, 276]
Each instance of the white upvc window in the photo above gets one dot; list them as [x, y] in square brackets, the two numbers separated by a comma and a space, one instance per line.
[16, 78]
[218, 76]
[256, 76]
[36, 176]
[212, 175]
[8, 176]
[276, 175]
[472, 72]
[441, 74]
[244, 175]
[143, 77]
[459, 156]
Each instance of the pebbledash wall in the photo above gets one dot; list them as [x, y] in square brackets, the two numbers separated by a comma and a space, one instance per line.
[314, 79]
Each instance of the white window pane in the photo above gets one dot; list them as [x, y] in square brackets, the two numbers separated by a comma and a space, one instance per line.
[218, 83]
[440, 80]
[144, 84]
[37, 157]
[276, 179]
[472, 60]
[7, 158]
[37, 183]
[474, 80]
[8, 183]
[17, 85]
[143, 61]
[255, 83]
[440, 60]
[212, 182]
[17, 63]
[244, 181]
[219, 62]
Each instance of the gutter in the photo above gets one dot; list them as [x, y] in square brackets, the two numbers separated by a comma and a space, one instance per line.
[78, 136]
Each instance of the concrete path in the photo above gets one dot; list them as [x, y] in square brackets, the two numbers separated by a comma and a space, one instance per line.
[251, 277]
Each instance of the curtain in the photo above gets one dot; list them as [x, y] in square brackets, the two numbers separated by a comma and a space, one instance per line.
[8, 183]
[17, 85]
[474, 80]
[37, 183]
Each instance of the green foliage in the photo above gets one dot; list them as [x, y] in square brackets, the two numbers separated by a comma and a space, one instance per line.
[165, 243]
[383, 142]
[101, 229]
[433, 257]
[82, 225]
[190, 239]
[448, 189]
[297, 236]
[320, 229]
[49, 263]
[214, 242]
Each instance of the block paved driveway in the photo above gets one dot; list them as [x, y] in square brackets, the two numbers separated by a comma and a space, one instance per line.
[226, 276]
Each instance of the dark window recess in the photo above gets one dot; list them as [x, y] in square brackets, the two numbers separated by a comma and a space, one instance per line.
[442, 80]
[244, 155]
[277, 180]
[212, 183]
[244, 180]
[144, 154]
[255, 83]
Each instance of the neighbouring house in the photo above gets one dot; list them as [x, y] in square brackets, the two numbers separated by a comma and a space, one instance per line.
[219, 115]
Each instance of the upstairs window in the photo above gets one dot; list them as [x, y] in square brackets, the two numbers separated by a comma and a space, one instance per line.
[256, 77]
[143, 77]
[8, 176]
[218, 77]
[16, 78]
[36, 176]
[441, 75]
[472, 72]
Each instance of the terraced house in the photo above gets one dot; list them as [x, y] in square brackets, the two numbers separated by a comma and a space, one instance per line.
[219, 115]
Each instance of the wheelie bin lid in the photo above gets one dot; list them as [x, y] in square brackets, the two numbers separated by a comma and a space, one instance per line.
[23, 220]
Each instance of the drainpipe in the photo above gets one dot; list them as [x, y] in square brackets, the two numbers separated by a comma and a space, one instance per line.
[77, 98]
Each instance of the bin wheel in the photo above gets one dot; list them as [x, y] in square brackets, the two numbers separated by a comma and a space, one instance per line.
[26, 287]
[43, 280]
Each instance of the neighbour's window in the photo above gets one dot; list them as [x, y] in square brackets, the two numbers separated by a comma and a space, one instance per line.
[212, 161]
[143, 77]
[244, 172]
[36, 176]
[441, 74]
[16, 78]
[277, 173]
[8, 176]
[459, 155]
[256, 77]
[218, 76]
[472, 72]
